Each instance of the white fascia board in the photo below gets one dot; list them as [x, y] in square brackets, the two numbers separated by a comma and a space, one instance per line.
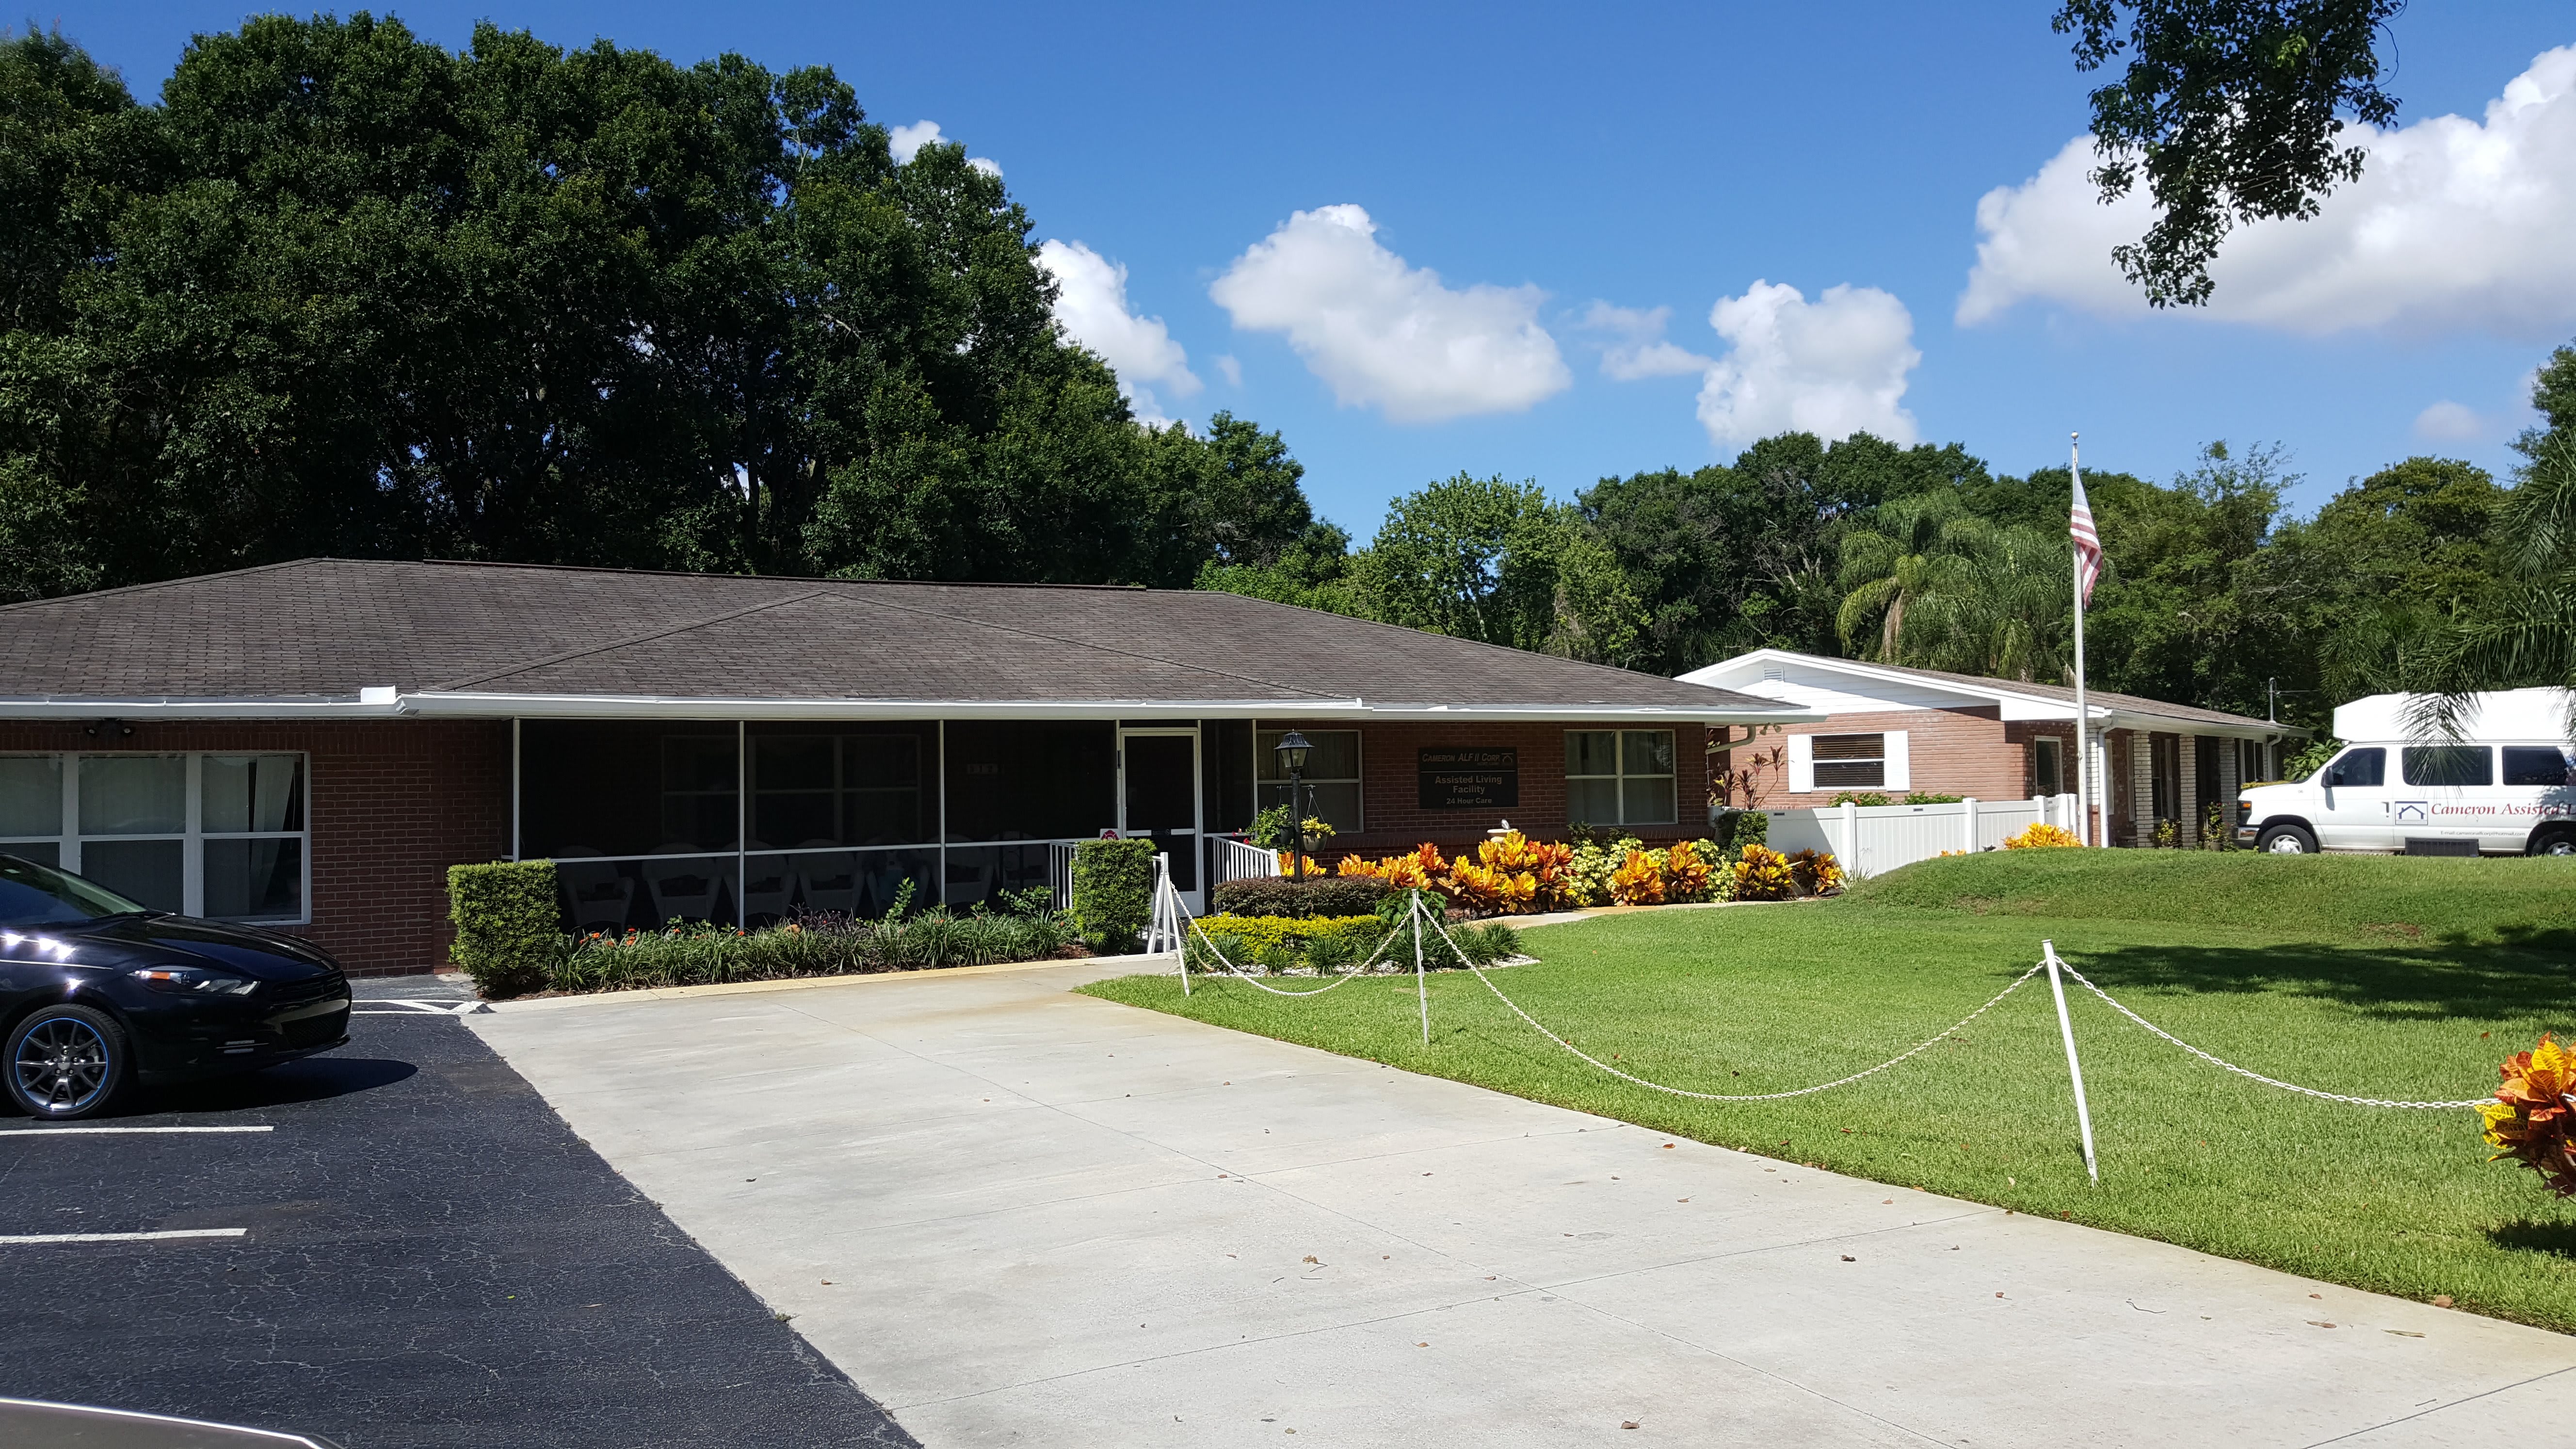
[379, 702]
[2125, 719]
[374, 703]
[453, 704]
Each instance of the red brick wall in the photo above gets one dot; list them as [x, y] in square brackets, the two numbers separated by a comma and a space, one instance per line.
[392, 805]
[1390, 795]
[1968, 751]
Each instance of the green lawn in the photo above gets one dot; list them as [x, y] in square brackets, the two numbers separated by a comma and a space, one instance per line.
[2383, 977]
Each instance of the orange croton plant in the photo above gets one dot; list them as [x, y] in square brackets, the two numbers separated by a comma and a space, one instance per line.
[2533, 1117]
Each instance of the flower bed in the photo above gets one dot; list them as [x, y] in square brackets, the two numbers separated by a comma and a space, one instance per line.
[1513, 875]
[1327, 944]
[698, 954]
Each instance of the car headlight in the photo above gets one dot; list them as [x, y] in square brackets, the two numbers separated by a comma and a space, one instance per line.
[189, 981]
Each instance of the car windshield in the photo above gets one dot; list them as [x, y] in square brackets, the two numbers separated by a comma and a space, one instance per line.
[37, 895]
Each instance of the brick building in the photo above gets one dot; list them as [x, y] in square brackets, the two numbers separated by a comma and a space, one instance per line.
[309, 746]
[1894, 730]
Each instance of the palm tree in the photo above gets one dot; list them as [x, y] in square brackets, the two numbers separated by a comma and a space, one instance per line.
[2530, 639]
[1889, 569]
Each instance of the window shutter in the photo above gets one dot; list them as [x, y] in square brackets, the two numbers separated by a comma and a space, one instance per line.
[1899, 769]
[1802, 764]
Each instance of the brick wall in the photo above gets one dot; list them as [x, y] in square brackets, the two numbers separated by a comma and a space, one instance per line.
[1390, 796]
[392, 804]
[1968, 751]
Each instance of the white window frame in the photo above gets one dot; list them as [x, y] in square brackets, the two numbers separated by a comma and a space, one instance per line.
[193, 838]
[1268, 759]
[2053, 746]
[1621, 775]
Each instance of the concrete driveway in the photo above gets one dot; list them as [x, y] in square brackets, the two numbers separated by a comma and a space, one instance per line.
[1019, 1216]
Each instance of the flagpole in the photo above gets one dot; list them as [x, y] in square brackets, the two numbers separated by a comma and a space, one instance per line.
[2083, 754]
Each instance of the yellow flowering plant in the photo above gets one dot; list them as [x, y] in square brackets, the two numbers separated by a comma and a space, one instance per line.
[2037, 836]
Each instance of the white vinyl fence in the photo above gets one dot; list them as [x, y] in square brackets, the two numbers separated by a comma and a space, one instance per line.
[1870, 839]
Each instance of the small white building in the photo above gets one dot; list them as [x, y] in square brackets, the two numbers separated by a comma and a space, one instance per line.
[1891, 730]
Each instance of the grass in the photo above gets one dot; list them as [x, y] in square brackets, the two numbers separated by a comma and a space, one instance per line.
[2385, 977]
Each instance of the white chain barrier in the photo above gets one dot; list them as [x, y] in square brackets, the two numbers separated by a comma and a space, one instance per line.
[1188, 922]
[2222, 1062]
[1418, 915]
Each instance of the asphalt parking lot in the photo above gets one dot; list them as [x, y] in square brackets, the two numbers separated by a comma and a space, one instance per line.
[405, 1246]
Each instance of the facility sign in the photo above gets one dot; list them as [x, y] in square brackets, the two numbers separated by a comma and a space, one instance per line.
[1469, 779]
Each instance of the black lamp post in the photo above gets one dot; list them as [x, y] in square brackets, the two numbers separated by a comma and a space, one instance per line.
[1292, 754]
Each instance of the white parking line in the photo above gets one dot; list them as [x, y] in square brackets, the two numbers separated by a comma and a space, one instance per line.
[30, 1239]
[413, 1007]
[101, 1131]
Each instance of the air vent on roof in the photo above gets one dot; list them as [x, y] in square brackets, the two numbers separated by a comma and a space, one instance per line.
[1773, 672]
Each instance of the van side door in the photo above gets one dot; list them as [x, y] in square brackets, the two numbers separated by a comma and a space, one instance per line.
[2449, 794]
[2355, 793]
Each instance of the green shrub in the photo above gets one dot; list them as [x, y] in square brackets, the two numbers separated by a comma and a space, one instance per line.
[508, 937]
[1918, 797]
[1866, 799]
[1752, 827]
[1113, 892]
[1331, 895]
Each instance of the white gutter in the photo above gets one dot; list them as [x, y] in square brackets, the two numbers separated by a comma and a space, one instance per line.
[446, 704]
[385, 702]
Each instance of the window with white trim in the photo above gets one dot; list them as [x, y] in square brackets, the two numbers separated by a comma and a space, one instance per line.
[224, 836]
[2047, 765]
[1619, 777]
[1850, 762]
[1332, 776]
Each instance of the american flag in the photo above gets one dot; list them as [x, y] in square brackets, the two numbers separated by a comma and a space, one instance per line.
[2088, 544]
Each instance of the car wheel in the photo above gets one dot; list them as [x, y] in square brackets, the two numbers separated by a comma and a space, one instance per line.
[2287, 840]
[2557, 843]
[66, 1062]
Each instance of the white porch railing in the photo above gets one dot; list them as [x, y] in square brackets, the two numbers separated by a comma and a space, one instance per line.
[1870, 839]
[1243, 860]
[1060, 872]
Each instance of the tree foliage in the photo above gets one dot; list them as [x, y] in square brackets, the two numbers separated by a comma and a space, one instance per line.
[345, 292]
[2230, 111]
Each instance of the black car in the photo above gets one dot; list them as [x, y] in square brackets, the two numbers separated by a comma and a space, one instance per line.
[97, 993]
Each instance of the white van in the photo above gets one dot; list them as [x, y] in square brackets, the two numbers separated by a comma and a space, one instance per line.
[2508, 786]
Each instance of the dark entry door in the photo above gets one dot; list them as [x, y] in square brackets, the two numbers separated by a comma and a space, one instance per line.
[1159, 796]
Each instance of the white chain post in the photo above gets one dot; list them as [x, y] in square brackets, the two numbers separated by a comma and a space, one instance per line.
[1421, 988]
[2074, 1068]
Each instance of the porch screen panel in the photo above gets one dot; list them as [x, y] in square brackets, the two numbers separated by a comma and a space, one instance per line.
[816, 786]
[1010, 781]
[626, 788]
[31, 807]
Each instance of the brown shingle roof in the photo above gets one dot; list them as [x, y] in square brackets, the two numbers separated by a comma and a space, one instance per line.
[325, 628]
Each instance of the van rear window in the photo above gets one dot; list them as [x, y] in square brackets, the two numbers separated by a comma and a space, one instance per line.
[2535, 765]
[2450, 765]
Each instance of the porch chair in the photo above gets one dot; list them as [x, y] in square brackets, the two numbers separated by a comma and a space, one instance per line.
[830, 882]
[599, 897]
[682, 888]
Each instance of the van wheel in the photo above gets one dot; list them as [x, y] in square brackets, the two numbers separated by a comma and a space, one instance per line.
[2286, 840]
[2556, 842]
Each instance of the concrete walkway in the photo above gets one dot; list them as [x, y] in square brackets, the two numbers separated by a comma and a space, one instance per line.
[1017, 1216]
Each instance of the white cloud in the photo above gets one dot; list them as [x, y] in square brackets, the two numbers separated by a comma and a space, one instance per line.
[1230, 368]
[1832, 367]
[2454, 224]
[1640, 350]
[2450, 422]
[906, 142]
[1091, 307]
[1388, 335]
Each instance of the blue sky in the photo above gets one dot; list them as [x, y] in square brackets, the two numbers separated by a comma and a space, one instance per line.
[1541, 160]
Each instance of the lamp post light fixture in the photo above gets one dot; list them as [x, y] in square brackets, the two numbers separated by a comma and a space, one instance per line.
[1292, 754]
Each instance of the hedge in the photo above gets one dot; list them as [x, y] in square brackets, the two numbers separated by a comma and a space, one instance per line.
[1336, 895]
[1113, 891]
[508, 937]
[1340, 943]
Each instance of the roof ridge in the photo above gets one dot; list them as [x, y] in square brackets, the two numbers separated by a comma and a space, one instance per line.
[626, 642]
[494, 563]
[173, 583]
